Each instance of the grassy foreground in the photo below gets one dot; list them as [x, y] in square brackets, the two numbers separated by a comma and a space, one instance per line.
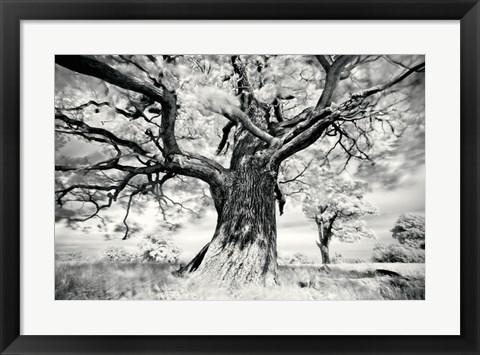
[139, 281]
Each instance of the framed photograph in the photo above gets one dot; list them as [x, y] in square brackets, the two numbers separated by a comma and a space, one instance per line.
[239, 177]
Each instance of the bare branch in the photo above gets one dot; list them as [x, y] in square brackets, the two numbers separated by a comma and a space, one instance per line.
[127, 228]
[144, 189]
[103, 132]
[81, 107]
[379, 88]
[299, 175]
[395, 62]
[277, 109]
[323, 62]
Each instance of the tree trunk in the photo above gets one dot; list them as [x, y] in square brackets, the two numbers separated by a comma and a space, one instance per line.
[325, 254]
[243, 249]
[324, 241]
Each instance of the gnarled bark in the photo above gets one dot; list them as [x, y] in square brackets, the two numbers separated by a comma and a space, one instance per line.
[324, 237]
[243, 248]
[325, 254]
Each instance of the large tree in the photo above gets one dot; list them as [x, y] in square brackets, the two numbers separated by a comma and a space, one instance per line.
[154, 119]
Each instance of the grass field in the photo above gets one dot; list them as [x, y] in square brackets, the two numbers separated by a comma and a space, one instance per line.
[140, 281]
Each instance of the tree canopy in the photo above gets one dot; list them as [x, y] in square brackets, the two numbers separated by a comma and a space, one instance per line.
[338, 203]
[409, 229]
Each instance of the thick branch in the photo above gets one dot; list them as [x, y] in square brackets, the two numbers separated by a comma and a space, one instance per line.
[187, 165]
[277, 110]
[238, 116]
[131, 61]
[89, 66]
[303, 125]
[176, 161]
[103, 132]
[305, 138]
[299, 138]
[333, 77]
[323, 62]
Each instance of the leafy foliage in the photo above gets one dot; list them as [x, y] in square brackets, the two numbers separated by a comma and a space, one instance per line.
[410, 230]
[409, 233]
[397, 253]
[151, 249]
[118, 254]
[338, 203]
[158, 249]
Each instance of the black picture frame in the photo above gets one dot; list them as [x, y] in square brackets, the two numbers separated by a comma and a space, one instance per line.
[13, 12]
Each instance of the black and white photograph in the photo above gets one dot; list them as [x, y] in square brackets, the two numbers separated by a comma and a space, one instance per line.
[254, 177]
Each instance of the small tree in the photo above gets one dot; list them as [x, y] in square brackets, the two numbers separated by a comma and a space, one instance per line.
[410, 230]
[336, 205]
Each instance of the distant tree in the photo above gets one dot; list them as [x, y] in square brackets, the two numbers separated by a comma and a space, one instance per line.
[410, 230]
[397, 253]
[336, 205]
